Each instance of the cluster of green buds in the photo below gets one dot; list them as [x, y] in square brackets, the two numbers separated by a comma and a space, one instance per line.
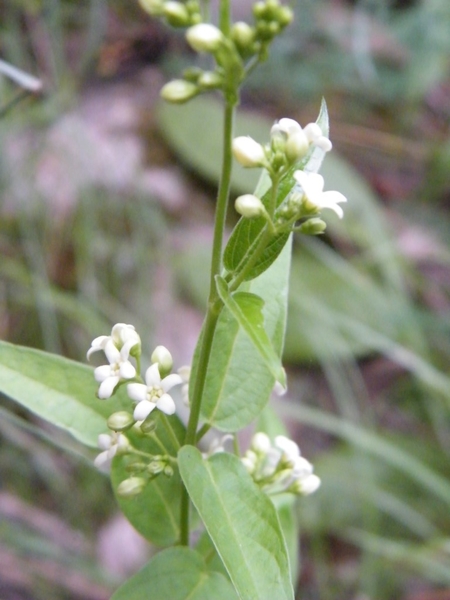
[176, 14]
[278, 467]
[270, 18]
[144, 469]
[142, 466]
[235, 52]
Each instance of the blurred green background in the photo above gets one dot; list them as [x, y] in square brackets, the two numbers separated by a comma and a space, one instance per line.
[106, 207]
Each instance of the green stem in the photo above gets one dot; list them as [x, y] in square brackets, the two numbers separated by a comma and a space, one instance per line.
[214, 302]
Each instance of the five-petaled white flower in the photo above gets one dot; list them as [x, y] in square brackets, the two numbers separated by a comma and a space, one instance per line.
[153, 394]
[117, 348]
[312, 186]
[111, 445]
[119, 368]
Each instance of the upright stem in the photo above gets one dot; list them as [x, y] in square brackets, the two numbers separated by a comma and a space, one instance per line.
[214, 304]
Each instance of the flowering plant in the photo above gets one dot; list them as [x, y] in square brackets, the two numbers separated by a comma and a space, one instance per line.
[216, 513]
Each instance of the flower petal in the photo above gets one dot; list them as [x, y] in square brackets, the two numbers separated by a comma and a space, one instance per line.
[102, 461]
[107, 387]
[111, 352]
[168, 382]
[127, 371]
[102, 373]
[143, 409]
[166, 404]
[137, 391]
[152, 376]
[97, 344]
[104, 441]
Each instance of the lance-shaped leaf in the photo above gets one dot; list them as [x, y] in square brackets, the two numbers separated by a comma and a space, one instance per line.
[176, 574]
[246, 308]
[238, 383]
[242, 523]
[155, 512]
[59, 390]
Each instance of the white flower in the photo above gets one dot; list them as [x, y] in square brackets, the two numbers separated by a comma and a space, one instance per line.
[111, 445]
[121, 335]
[248, 152]
[153, 394]
[119, 368]
[204, 37]
[312, 185]
[278, 467]
[307, 485]
[289, 448]
[117, 348]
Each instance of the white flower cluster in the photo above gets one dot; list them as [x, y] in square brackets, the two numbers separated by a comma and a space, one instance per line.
[123, 344]
[279, 467]
[289, 143]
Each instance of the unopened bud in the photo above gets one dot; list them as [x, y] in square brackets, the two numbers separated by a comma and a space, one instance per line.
[179, 91]
[153, 7]
[285, 15]
[176, 14]
[296, 146]
[168, 471]
[261, 442]
[249, 206]
[164, 359]
[243, 35]
[210, 80]
[248, 152]
[156, 467]
[305, 486]
[205, 37]
[120, 421]
[148, 426]
[313, 226]
[131, 487]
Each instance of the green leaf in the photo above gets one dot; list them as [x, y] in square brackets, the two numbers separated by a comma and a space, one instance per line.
[155, 513]
[285, 504]
[242, 523]
[238, 383]
[58, 390]
[246, 308]
[176, 574]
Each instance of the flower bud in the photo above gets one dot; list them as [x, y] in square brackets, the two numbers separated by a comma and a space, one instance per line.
[285, 15]
[243, 35]
[305, 486]
[179, 91]
[164, 359]
[153, 7]
[176, 14]
[248, 152]
[210, 80]
[296, 146]
[168, 471]
[249, 206]
[156, 467]
[205, 37]
[131, 487]
[261, 442]
[313, 226]
[120, 421]
[148, 426]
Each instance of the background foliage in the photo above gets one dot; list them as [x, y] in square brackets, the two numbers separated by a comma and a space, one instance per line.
[98, 225]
